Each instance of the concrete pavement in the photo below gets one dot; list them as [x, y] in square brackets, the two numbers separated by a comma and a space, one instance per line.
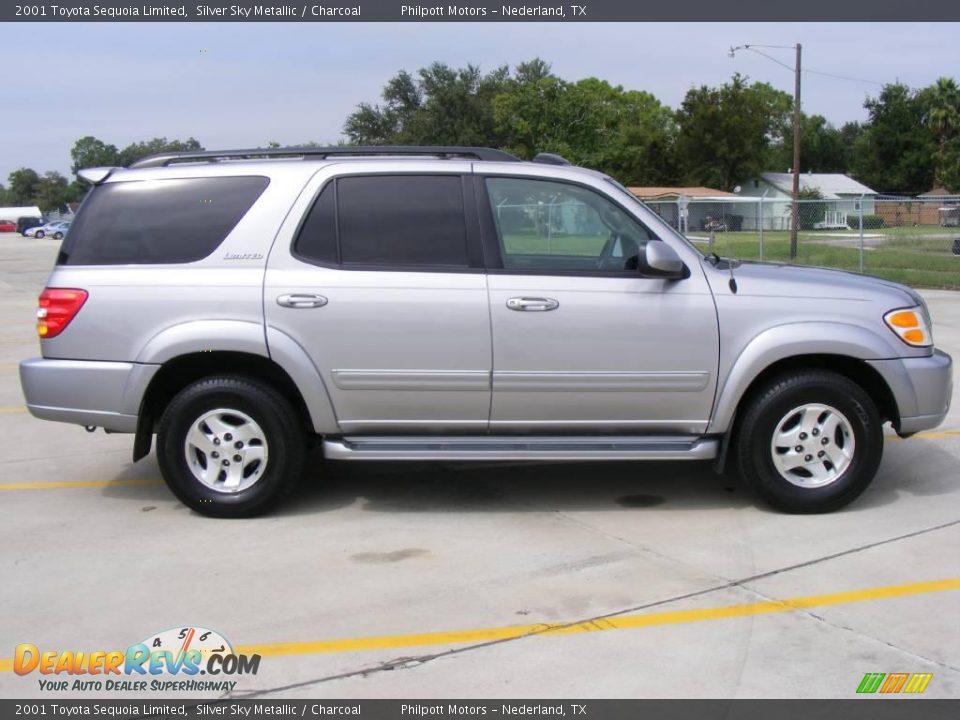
[406, 580]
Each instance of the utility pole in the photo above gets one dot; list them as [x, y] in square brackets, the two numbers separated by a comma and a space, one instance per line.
[795, 206]
[795, 224]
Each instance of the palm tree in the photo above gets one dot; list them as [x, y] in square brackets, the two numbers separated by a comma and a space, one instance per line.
[943, 118]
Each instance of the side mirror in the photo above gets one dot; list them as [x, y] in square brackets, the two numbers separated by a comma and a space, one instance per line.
[660, 260]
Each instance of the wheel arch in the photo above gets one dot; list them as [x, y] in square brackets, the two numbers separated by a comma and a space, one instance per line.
[844, 349]
[313, 411]
[854, 369]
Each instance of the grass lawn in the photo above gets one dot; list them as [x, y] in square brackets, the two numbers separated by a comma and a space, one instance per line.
[915, 256]
[909, 256]
[591, 245]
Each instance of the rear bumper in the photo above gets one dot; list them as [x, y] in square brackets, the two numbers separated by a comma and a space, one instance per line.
[922, 388]
[102, 394]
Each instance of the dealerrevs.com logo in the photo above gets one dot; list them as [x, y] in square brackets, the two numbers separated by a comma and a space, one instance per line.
[891, 683]
[170, 661]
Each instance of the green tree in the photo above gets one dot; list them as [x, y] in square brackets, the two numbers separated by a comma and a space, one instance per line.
[88, 152]
[440, 106]
[941, 106]
[896, 153]
[627, 134]
[53, 192]
[823, 147]
[725, 133]
[24, 184]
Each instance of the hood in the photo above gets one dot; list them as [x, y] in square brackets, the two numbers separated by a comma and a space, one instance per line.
[798, 281]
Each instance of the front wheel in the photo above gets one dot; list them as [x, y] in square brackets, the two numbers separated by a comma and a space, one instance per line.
[230, 447]
[810, 441]
[39, 234]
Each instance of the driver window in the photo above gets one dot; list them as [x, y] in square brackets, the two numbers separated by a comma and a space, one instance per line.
[544, 225]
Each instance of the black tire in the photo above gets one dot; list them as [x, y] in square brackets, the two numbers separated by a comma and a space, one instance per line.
[762, 415]
[39, 235]
[283, 436]
[58, 236]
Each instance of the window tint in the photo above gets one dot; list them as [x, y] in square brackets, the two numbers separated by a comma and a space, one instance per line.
[402, 220]
[543, 225]
[158, 221]
[317, 240]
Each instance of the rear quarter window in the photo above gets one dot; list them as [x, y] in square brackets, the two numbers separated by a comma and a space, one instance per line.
[158, 221]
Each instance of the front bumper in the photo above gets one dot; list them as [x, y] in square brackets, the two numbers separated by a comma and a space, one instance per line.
[85, 392]
[922, 388]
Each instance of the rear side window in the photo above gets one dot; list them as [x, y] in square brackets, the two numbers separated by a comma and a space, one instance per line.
[317, 240]
[389, 221]
[158, 221]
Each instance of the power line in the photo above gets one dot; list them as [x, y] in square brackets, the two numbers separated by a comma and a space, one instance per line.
[753, 48]
[844, 77]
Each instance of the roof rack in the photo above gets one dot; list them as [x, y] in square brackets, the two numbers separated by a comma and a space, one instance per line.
[440, 151]
[550, 159]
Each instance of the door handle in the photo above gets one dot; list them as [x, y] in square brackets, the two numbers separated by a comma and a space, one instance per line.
[301, 300]
[532, 304]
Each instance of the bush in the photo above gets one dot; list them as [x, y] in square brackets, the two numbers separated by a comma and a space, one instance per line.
[870, 222]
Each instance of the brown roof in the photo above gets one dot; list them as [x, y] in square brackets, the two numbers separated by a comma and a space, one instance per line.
[938, 192]
[660, 193]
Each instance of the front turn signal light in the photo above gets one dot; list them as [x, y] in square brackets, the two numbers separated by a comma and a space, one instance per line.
[910, 326]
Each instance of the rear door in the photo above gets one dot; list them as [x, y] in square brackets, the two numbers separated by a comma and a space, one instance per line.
[382, 284]
[582, 341]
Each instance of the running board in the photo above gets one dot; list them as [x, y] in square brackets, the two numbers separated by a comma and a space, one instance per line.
[521, 448]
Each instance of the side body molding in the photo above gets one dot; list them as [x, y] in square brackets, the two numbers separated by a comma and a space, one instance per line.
[740, 366]
[288, 354]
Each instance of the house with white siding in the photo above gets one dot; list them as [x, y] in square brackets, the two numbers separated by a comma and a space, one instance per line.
[841, 195]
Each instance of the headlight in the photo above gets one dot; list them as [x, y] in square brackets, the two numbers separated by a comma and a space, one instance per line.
[910, 325]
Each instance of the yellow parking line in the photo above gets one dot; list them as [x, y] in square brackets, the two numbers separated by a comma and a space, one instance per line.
[932, 435]
[11, 410]
[67, 484]
[620, 622]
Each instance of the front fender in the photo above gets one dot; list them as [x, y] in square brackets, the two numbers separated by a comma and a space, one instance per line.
[786, 341]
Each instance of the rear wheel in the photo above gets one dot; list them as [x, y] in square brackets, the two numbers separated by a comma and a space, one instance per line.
[230, 447]
[58, 236]
[810, 441]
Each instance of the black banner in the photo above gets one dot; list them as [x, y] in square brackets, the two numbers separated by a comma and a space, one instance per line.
[478, 11]
[862, 709]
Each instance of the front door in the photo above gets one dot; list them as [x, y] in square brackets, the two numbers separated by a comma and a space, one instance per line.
[581, 340]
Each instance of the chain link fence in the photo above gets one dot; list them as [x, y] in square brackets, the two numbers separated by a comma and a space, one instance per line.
[910, 240]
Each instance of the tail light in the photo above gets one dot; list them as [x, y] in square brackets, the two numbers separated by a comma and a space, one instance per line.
[58, 306]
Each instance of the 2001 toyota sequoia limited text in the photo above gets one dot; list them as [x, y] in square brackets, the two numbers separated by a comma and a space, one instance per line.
[440, 303]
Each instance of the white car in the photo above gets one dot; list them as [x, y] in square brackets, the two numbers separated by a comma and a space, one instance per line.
[56, 230]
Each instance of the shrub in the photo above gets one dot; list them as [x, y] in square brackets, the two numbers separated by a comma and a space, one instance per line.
[870, 222]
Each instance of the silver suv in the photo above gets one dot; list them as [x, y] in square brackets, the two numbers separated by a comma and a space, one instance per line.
[450, 303]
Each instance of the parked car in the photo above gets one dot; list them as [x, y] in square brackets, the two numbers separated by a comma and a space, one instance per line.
[8, 226]
[457, 304]
[57, 230]
[25, 223]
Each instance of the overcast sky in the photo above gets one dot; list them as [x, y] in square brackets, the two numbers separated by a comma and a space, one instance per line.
[236, 85]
